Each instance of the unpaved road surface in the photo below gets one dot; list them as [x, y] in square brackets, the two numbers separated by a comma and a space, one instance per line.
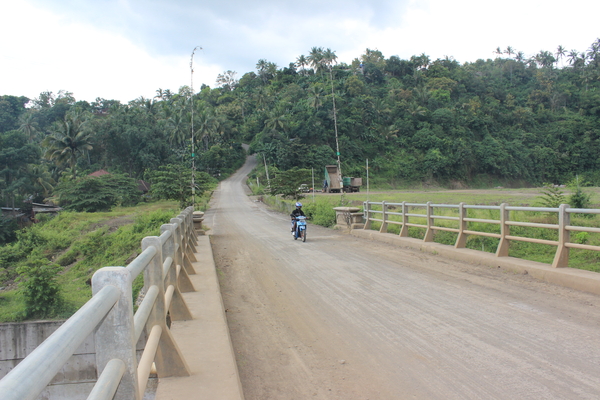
[342, 318]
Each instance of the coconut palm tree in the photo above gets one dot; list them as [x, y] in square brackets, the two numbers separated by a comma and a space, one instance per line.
[561, 52]
[315, 94]
[573, 56]
[28, 125]
[315, 59]
[178, 127]
[302, 62]
[593, 54]
[69, 139]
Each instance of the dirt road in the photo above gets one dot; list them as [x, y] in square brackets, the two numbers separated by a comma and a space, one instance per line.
[341, 318]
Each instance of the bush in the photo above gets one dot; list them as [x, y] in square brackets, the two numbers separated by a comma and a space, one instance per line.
[38, 285]
[8, 229]
[552, 196]
[173, 182]
[93, 194]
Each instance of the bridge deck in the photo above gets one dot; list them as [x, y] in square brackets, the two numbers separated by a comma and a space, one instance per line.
[204, 341]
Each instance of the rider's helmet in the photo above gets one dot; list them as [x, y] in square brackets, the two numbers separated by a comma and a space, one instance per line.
[298, 205]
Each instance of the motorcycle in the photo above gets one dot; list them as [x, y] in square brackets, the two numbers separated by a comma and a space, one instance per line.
[300, 231]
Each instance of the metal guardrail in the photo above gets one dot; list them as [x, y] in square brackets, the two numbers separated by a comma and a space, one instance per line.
[380, 212]
[165, 262]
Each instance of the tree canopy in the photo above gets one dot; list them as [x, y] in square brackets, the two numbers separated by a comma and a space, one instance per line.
[510, 118]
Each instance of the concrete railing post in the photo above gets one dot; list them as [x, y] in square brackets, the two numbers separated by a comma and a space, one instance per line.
[115, 336]
[561, 259]
[404, 230]
[367, 216]
[169, 360]
[185, 261]
[188, 237]
[178, 308]
[384, 224]
[430, 222]
[461, 240]
[503, 246]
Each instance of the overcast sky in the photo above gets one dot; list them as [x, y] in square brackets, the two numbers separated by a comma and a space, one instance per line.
[124, 49]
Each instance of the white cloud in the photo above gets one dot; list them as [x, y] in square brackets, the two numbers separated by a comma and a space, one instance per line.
[123, 49]
[85, 60]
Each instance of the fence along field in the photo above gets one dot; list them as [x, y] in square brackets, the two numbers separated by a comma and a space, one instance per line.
[536, 233]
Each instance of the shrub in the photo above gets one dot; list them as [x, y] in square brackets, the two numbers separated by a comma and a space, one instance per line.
[8, 228]
[38, 285]
[91, 194]
[173, 182]
[552, 196]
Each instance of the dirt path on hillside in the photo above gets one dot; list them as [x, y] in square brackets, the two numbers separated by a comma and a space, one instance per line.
[342, 318]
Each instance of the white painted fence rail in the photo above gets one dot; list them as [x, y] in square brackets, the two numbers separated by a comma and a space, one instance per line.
[165, 262]
[380, 212]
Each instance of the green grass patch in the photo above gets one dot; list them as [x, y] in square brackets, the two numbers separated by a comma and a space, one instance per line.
[320, 210]
[80, 243]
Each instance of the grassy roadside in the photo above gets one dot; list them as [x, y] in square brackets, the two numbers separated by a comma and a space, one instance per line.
[80, 244]
[320, 209]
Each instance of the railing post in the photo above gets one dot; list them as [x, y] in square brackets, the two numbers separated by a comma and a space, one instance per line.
[115, 336]
[404, 230]
[185, 261]
[190, 222]
[502, 250]
[178, 308]
[461, 240]
[189, 245]
[367, 215]
[561, 259]
[169, 360]
[384, 223]
[430, 222]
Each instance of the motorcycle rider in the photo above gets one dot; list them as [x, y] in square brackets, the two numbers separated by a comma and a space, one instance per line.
[296, 213]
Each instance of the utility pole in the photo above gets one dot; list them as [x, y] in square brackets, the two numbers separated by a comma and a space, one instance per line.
[192, 139]
[337, 145]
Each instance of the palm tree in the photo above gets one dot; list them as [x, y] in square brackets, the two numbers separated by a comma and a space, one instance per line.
[301, 62]
[593, 53]
[28, 125]
[509, 51]
[204, 126]
[276, 119]
[178, 127]
[561, 52]
[315, 58]
[315, 94]
[40, 179]
[573, 55]
[68, 140]
[520, 57]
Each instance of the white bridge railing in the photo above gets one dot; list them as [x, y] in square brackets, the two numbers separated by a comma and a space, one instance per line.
[165, 262]
[382, 212]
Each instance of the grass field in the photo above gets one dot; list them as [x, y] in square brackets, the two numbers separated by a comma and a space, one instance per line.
[319, 205]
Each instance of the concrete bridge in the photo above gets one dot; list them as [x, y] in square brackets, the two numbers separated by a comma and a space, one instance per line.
[371, 315]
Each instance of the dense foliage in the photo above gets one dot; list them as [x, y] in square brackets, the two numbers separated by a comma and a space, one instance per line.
[506, 119]
[49, 146]
[511, 119]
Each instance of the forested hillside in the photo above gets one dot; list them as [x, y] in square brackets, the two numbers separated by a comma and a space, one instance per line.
[534, 120]
[507, 119]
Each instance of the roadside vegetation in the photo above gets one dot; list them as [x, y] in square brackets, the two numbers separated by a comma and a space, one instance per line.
[320, 211]
[46, 272]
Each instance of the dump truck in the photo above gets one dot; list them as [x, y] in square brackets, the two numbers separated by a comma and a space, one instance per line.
[351, 184]
[334, 183]
[333, 179]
